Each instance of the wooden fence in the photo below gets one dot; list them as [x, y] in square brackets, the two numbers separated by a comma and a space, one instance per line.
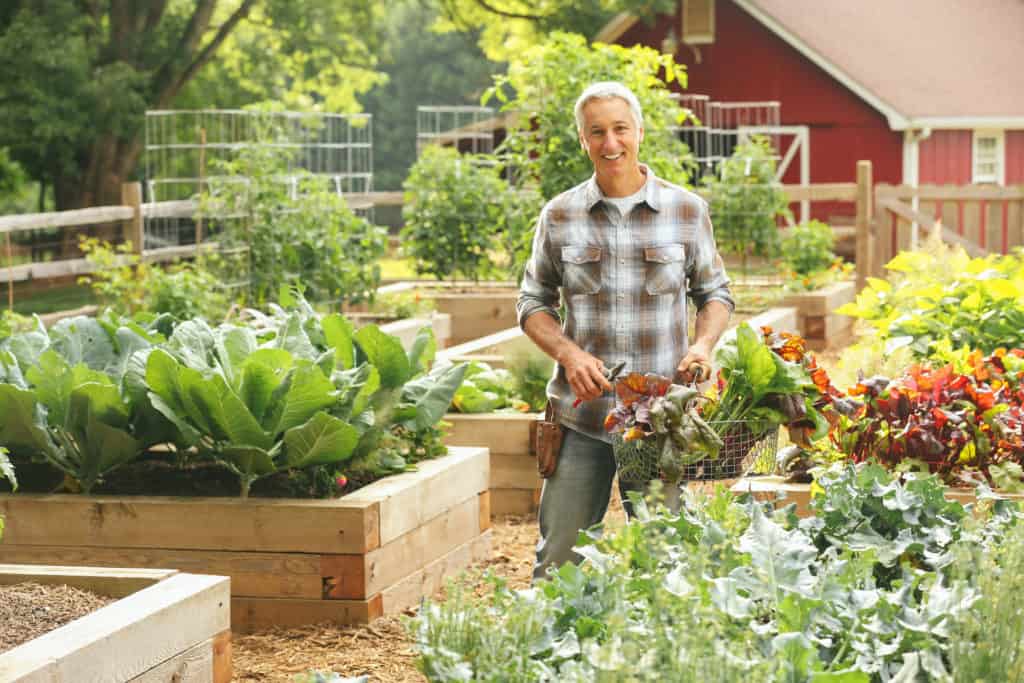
[888, 219]
[981, 218]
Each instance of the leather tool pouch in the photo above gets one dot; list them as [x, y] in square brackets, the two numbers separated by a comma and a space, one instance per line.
[547, 442]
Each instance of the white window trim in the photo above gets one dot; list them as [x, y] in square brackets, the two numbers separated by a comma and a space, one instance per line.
[998, 135]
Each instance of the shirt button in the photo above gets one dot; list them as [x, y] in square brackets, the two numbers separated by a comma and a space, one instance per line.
[622, 261]
[622, 296]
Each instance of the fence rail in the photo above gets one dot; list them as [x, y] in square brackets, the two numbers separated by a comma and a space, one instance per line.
[888, 218]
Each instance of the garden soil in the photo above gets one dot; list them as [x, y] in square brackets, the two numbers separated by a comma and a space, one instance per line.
[28, 610]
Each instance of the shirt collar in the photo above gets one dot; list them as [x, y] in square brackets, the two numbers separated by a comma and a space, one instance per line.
[593, 194]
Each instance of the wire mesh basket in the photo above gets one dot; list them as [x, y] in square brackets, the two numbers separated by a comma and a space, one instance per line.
[745, 443]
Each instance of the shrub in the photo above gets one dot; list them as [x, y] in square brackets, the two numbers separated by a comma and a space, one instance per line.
[939, 298]
[807, 248]
[746, 201]
[543, 145]
[127, 284]
[296, 229]
[460, 214]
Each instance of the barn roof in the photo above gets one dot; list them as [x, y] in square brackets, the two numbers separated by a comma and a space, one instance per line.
[921, 63]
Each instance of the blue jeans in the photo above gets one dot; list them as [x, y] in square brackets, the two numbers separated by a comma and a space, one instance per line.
[576, 497]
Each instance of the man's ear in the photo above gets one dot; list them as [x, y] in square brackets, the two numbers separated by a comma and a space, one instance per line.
[583, 144]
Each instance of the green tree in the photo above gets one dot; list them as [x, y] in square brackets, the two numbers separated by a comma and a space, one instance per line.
[79, 74]
[546, 80]
[423, 68]
[508, 27]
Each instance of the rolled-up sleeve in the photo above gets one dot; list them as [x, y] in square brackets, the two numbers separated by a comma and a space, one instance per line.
[542, 278]
[706, 272]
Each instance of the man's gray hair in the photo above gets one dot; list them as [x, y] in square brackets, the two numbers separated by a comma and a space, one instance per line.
[605, 90]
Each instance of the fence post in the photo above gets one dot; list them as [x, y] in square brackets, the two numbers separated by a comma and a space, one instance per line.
[131, 195]
[865, 211]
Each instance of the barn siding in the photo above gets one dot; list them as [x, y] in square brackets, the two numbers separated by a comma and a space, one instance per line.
[747, 62]
[944, 158]
[1014, 148]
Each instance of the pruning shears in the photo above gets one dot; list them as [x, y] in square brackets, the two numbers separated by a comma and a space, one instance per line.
[611, 374]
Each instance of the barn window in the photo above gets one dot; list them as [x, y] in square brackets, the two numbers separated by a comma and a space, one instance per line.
[988, 157]
[698, 22]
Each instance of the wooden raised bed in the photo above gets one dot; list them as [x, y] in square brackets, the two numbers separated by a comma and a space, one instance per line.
[406, 329]
[768, 488]
[166, 627]
[373, 552]
[476, 309]
[816, 318]
[514, 485]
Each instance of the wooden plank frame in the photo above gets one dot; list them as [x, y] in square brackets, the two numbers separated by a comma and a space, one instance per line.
[514, 484]
[817, 320]
[175, 628]
[290, 561]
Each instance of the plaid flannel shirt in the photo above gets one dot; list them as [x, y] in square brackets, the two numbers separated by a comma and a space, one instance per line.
[624, 282]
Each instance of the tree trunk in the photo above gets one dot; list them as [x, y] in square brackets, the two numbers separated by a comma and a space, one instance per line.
[105, 165]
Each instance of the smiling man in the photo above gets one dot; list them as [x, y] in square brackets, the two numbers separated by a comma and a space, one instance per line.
[626, 249]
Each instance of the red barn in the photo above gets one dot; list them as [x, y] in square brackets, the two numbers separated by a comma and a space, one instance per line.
[931, 91]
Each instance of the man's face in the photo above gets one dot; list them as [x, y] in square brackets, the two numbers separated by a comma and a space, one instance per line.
[611, 137]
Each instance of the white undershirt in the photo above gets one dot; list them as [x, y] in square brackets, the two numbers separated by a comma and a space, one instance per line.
[625, 204]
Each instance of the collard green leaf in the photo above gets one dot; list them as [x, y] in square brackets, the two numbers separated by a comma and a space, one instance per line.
[306, 391]
[83, 340]
[423, 350]
[292, 338]
[227, 416]
[26, 347]
[338, 333]
[234, 345]
[249, 461]
[431, 395]
[322, 440]
[7, 471]
[385, 352]
[194, 343]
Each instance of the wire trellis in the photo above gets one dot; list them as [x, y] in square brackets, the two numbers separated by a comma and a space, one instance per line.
[186, 148]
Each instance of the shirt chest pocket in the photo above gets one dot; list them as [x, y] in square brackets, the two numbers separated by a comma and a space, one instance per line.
[664, 269]
[581, 269]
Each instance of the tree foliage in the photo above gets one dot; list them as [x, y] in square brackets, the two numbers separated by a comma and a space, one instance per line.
[79, 75]
[545, 82]
[425, 68]
[508, 27]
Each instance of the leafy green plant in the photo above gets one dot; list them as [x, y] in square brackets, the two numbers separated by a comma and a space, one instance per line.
[129, 285]
[731, 590]
[531, 371]
[939, 297]
[410, 304]
[295, 227]
[64, 398]
[985, 642]
[488, 390]
[541, 88]
[288, 392]
[807, 247]
[460, 214]
[746, 201]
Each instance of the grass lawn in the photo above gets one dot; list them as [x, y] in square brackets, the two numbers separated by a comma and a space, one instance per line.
[397, 269]
[52, 300]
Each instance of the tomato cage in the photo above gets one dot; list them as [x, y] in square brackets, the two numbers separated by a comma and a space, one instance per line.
[747, 445]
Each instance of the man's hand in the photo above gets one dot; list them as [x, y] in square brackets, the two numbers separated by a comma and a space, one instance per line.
[695, 367]
[585, 374]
